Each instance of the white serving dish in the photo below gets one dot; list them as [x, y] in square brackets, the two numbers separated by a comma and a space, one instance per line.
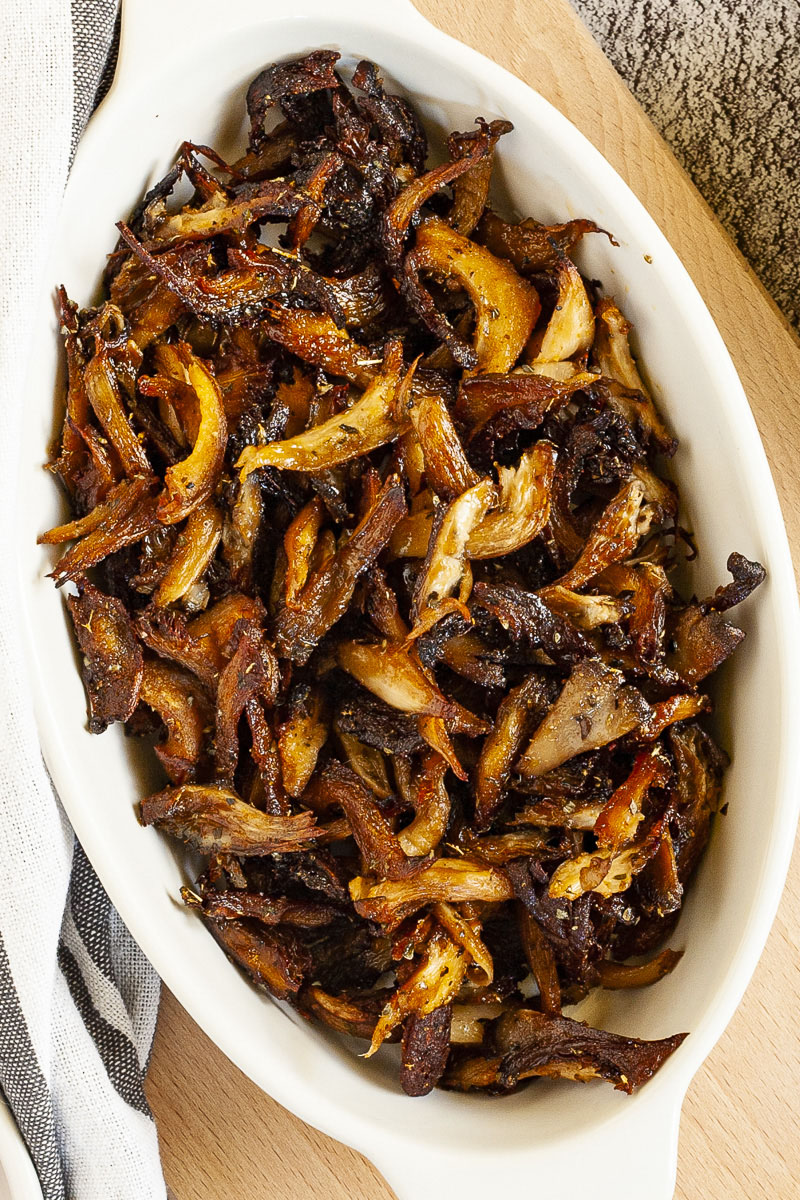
[184, 67]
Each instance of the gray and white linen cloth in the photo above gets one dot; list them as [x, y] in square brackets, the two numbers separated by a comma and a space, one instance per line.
[78, 1001]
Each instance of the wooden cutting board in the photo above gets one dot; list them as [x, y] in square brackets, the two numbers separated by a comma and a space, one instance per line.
[740, 1136]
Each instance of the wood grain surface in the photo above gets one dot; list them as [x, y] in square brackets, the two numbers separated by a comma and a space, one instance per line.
[740, 1133]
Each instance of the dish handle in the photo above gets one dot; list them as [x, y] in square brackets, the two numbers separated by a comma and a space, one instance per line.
[152, 30]
[631, 1157]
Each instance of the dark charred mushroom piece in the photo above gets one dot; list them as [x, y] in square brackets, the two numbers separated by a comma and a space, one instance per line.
[112, 658]
[532, 1043]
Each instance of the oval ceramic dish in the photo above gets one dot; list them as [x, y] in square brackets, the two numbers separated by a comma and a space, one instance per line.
[184, 69]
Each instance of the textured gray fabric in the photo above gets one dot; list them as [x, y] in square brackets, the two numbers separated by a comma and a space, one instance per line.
[95, 28]
[721, 80]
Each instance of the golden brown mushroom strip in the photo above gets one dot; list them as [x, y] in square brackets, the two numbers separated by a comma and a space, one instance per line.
[447, 469]
[612, 354]
[269, 910]
[471, 190]
[614, 537]
[72, 459]
[433, 731]
[614, 975]
[518, 712]
[392, 675]
[506, 307]
[109, 536]
[380, 848]
[213, 628]
[675, 708]
[327, 594]
[273, 958]
[445, 567]
[435, 982]
[273, 155]
[382, 607]
[476, 1071]
[586, 611]
[251, 671]
[367, 424]
[201, 645]
[355, 1017]
[370, 766]
[570, 330]
[104, 395]
[702, 641]
[240, 530]
[299, 542]
[148, 304]
[533, 1043]
[566, 814]
[520, 513]
[300, 738]
[595, 707]
[194, 550]
[395, 224]
[541, 960]
[111, 656]
[605, 871]
[174, 695]
[264, 752]
[448, 879]
[214, 819]
[530, 246]
[523, 505]
[116, 505]
[190, 482]
[497, 849]
[623, 813]
[483, 398]
[466, 930]
[470, 655]
[648, 611]
[221, 214]
[431, 808]
[166, 634]
[412, 536]
[317, 339]
[425, 1050]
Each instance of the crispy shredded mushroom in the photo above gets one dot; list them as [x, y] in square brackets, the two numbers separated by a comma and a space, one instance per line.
[195, 548]
[392, 674]
[375, 418]
[570, 330]
[112, 658]
[533, 1043]
[435, 982]
[215, 819]
[187, 716]
[369, 538]
[445, 879]
[189, 483]
[522, 507]
[506, 307]
[445, 567]
[595, 707]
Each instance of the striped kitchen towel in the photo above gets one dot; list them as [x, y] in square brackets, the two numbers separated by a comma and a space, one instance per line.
[78, 1000]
